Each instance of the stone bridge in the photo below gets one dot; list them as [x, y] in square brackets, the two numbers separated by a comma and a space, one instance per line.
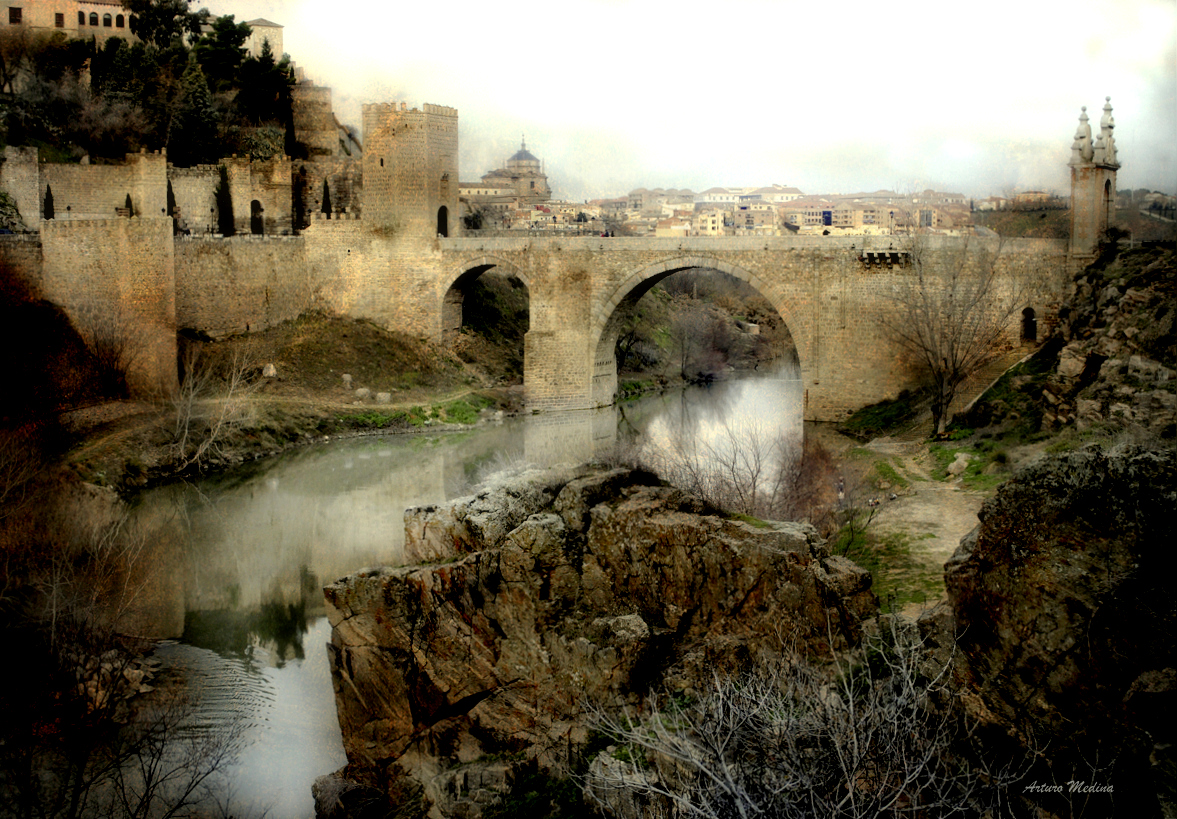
[831, 292]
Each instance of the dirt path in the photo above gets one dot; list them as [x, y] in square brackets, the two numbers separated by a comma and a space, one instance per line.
[934, 514]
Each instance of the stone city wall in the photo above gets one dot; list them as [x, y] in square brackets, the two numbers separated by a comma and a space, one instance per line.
[266, 181]
[241, 284]
[115, 278]
[314, 119]
[21, 263]
[98, 191]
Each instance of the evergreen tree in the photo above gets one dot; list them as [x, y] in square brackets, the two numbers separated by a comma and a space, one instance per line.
[129, 206]
[48, 202]
[224, 198]
[164, 23]
[299, 196]
[194, 137]
[171, 199]
[221, 53]
[326, 199]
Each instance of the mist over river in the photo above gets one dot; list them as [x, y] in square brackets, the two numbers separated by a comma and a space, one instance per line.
[256, 545]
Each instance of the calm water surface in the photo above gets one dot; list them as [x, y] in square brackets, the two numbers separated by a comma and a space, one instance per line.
[255, 547]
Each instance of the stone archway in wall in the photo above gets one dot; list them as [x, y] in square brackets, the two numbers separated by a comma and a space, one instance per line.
[608, 317]
[485, 314]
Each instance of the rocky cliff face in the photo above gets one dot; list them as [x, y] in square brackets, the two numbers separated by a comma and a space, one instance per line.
[1118, 365]
[1066, 628]
[554, 594]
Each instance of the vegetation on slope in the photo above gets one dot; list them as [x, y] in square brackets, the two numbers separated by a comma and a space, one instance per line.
[195, 93]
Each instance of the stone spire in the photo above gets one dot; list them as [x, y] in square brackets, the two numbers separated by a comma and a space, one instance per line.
[1084, 132]
[1107, 125]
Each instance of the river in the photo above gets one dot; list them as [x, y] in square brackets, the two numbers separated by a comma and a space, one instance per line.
[255, 546]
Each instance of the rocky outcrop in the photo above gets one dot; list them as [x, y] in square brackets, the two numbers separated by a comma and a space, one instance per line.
[1118, 365]
[1066, 627]
[558, 593]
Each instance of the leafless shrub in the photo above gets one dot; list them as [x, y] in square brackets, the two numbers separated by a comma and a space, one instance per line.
[21, 461]
[753, 470]
[211, 402]
[856, 740]
[81, 733]
[115, 343]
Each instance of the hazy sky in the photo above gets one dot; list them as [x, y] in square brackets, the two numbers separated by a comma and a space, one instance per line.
[829, 97]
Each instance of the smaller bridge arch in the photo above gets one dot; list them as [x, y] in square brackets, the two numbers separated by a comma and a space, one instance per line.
[459, 280]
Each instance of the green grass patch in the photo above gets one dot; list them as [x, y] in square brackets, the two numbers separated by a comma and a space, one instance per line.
[634, 388]
[374, 419]
[898, 578]
[751, 521]
[889, 474]
[464, 410]
[883, 418]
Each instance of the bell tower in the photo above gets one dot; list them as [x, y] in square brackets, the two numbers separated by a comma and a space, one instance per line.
[1093, 184]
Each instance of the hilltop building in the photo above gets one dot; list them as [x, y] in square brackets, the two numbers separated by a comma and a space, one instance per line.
[522, 182]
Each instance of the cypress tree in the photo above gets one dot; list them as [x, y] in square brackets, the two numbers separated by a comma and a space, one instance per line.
[224, 197]
[48, 202]
[130, 206]
[326, 199]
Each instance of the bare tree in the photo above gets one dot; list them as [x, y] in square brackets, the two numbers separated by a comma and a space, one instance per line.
[796, 740]
[210, 403]
[953, 314]
[115, 341]
[753, 470]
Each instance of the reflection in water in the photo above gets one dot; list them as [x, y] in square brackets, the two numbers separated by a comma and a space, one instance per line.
[260, 542]
[287, 712]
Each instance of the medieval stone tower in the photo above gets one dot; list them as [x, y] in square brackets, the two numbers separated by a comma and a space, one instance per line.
[411, 170]
[1093, 184]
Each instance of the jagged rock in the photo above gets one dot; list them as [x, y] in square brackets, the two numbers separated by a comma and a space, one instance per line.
[1066, 619]
[563, 589]
[1120, 347]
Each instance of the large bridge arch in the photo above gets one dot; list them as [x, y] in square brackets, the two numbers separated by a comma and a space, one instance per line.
[453, 294]
[606, 317]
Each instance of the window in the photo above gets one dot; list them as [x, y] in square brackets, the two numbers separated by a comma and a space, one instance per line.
[59, 20]
[107, 20]
[93, 18]
[81, 18]
[118, 21]
[14, 15]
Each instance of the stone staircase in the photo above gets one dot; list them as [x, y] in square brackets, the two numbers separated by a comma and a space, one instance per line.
[972, 389]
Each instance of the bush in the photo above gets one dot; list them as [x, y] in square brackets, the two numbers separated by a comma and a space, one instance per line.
[869, 739]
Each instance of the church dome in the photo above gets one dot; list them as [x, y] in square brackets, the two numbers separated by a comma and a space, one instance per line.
[523, 155]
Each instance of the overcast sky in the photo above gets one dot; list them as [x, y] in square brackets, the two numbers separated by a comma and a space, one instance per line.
[829, 97]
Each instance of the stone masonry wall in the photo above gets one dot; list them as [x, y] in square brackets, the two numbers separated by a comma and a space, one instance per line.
[115, 278]
[410, 168]
[96, 191]
[242, 284]
[314, 119]
[21, 263]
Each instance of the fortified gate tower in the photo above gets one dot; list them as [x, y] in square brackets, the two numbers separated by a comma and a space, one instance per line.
[1093, 184]
[411, 170]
